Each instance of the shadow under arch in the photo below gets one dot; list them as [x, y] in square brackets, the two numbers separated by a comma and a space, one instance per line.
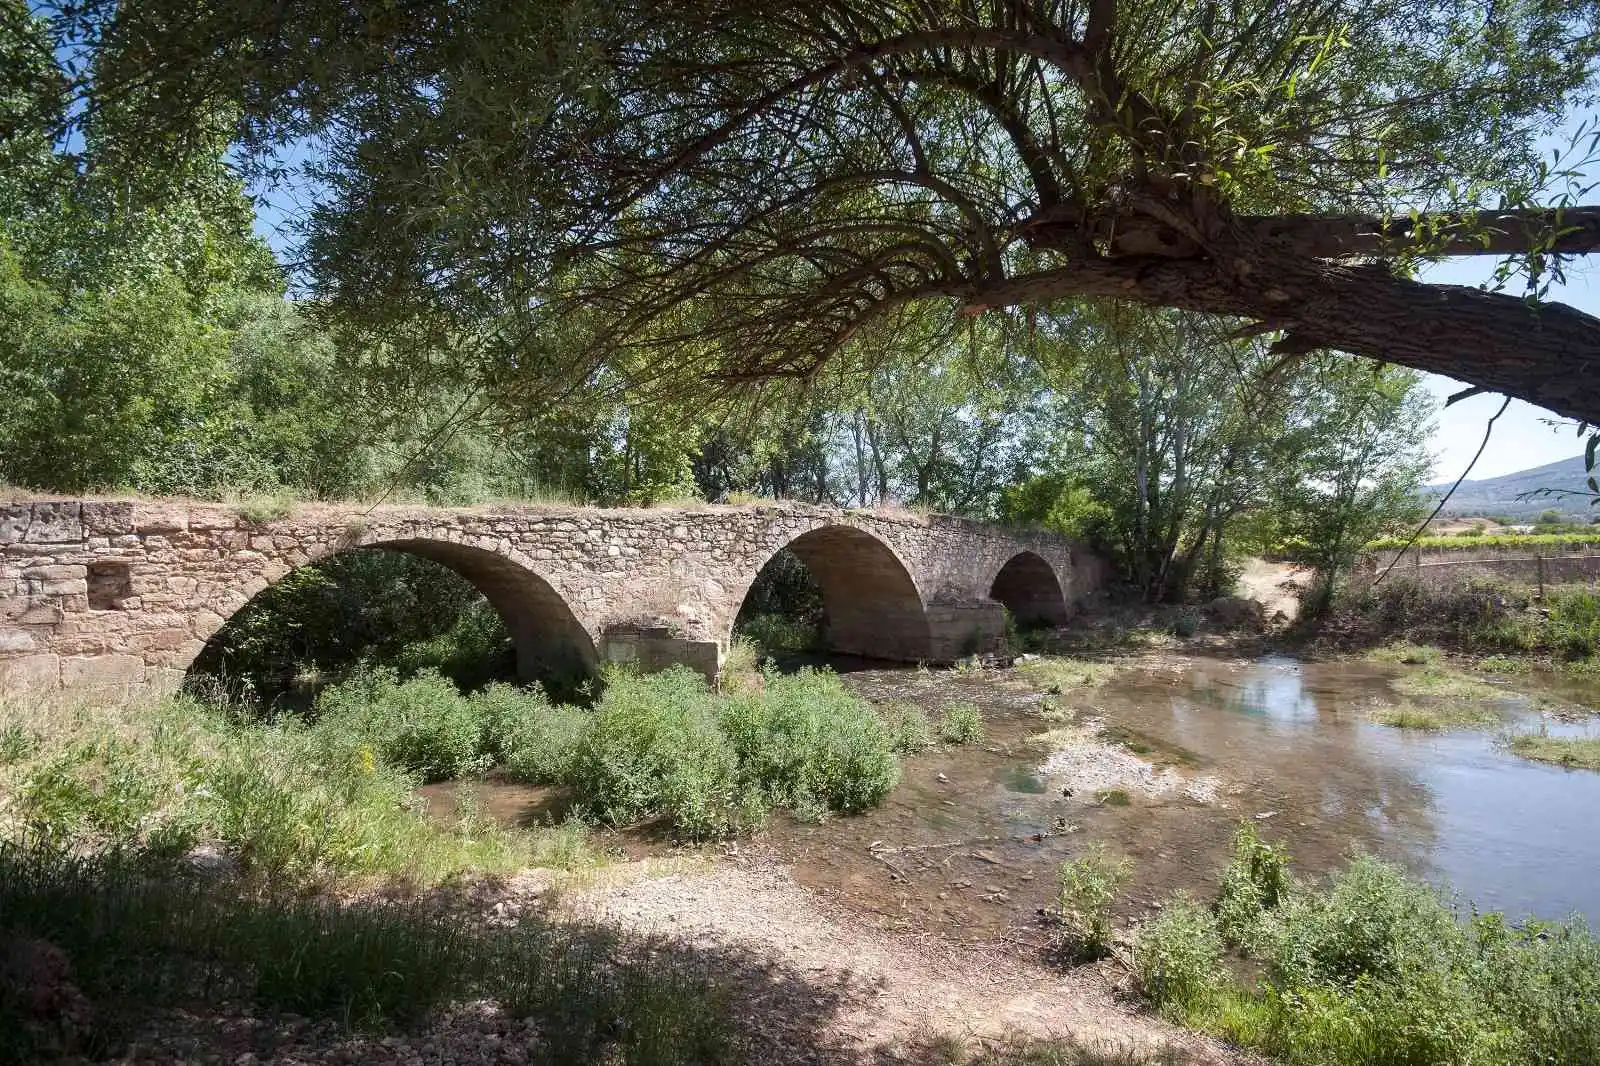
[871, 605]
[1028, 587]
[550, 643]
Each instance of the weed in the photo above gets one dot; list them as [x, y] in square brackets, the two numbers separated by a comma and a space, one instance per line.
[910, 730]
[259, 510]
[1185, 624]
[1441, 682]
[1376, 968]
[961, 723]
[1113, 797]
[1178, 959]
[1255, 882]
[1056, 675]
[1090, 885]
[1408, 715]
[1408, 653]
[1571, 752]
[1503, 664]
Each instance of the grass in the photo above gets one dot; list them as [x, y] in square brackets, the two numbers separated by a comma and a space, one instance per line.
[1408, 715]
[961, 723]
[1578, 753]
[290, 801]
[1055, 674]
[142, 937]
[1442, 682]
[1404, 651]
[1371, 967]
[910, 729]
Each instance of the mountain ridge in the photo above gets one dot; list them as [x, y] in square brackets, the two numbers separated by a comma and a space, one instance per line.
[1498, 495]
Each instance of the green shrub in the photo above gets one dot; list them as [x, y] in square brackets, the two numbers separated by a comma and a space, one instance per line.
[1575, 623]
[531, 738]
[653, 749]
[423, 724]
[1178, 959]
[806, 741]
[1256, 881]
[1090, 885]
[1376, 968]
[910, 729]
[961, 723]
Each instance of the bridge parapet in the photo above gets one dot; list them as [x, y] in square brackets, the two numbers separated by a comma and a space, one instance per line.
[128, 592]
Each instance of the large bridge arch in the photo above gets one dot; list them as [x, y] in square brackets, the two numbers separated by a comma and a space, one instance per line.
[551, 645]
[871, 603]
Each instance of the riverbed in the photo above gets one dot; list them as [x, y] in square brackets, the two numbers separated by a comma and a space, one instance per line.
[1161, 762]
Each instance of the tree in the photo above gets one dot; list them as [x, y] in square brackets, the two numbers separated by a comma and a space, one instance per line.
[1353, 466]
[735, 189]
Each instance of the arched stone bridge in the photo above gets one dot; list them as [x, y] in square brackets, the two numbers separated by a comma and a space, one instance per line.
[127, 593]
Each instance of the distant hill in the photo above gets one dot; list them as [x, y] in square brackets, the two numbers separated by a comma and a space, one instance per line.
[1498, 495]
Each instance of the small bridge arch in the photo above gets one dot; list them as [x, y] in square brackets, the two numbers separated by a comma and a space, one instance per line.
[1028, 587]
[871, 603]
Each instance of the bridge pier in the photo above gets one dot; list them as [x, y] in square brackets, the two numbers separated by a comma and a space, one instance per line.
[959, 629]
[651, 648]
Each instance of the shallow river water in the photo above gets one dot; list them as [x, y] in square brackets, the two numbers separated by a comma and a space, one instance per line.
[968, 844]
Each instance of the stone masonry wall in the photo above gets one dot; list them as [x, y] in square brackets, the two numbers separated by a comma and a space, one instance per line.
[125, 593]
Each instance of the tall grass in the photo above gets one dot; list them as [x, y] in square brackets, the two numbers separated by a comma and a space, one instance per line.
[286, 799]
[1477, 616]
[141, 937]
[1371, 967]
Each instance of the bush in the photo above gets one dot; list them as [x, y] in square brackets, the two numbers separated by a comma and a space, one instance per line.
[807, 743]
[910, 730]
[531, 738]
[1090, 885]
[423, 724]
[1178, 959]
[654, 749]
[961, 723]
[1376, 968]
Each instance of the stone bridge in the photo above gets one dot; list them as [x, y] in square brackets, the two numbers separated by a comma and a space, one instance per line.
[127, 593]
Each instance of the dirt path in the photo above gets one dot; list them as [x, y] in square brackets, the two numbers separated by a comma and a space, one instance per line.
[831, 988]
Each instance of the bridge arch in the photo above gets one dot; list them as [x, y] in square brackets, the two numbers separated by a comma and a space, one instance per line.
[871, 604]
[1028, 587]
[550, 643]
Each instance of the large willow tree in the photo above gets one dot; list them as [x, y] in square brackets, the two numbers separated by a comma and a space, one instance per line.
[743, 189]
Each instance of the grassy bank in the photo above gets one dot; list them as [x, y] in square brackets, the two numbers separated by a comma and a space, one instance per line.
[1572, 752]
[1480, 618]
[92, 948]
[1370, 967]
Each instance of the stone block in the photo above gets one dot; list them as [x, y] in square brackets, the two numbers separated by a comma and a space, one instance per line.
[102, 671]
[110, 519]
[14, 641]
[55, 522]
[14, 518]
[30, 672]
